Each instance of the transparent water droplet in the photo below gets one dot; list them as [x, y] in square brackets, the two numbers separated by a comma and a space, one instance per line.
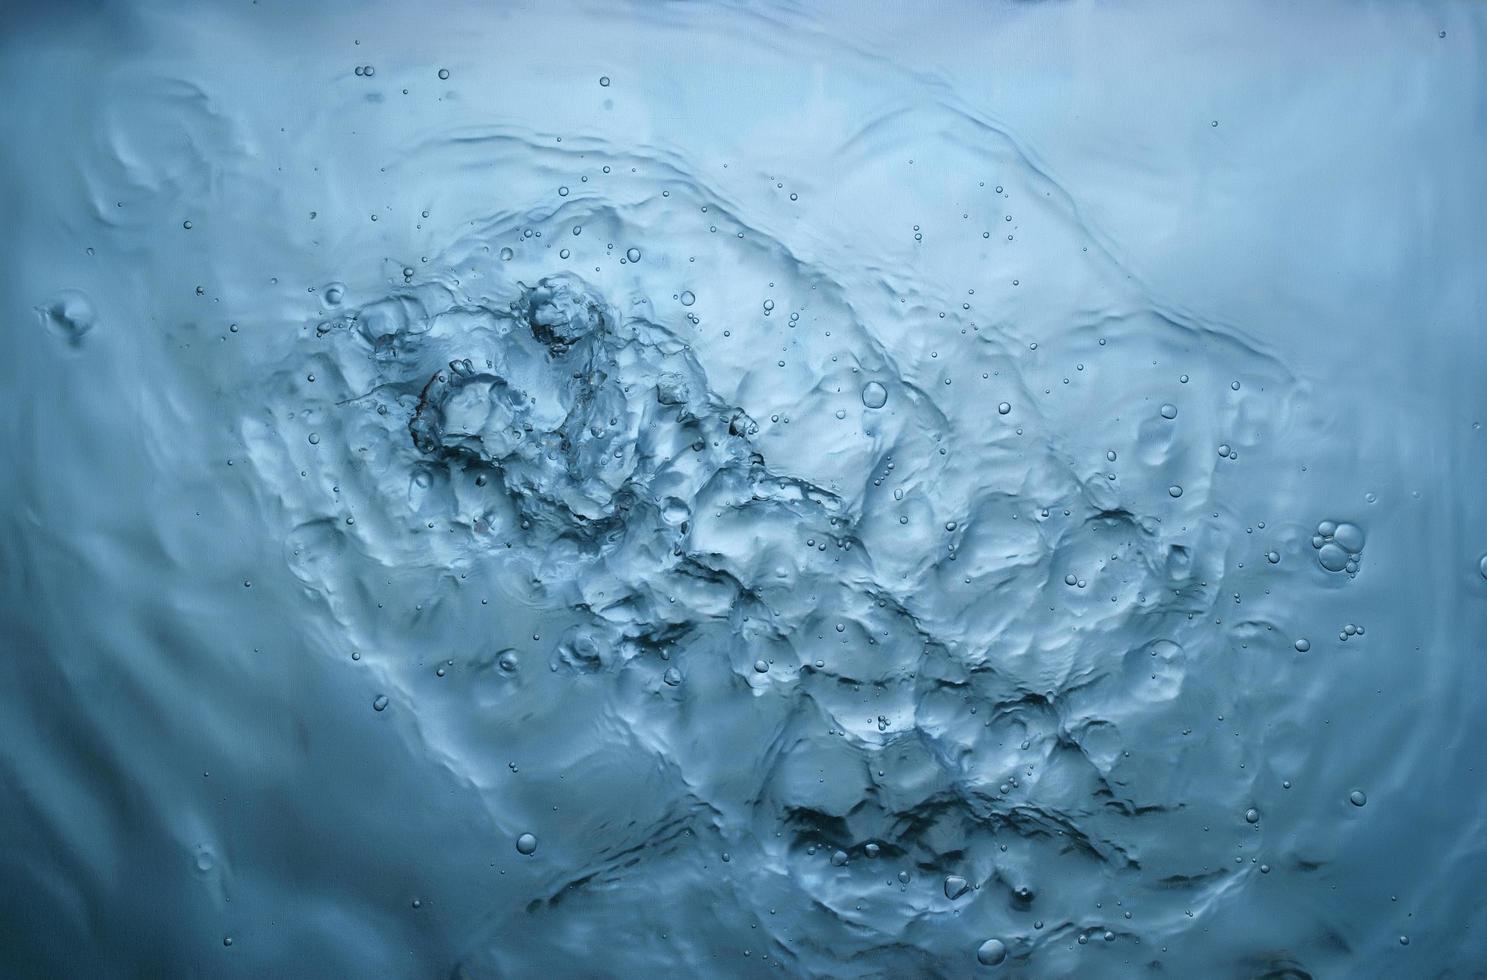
[526, 844]
[1357, 797]
[379, 703]
[992, 952]
[956, 886]
[1252, 815]
[1004, 408]
[874, 395]
[1303, 645]
[1169, 411]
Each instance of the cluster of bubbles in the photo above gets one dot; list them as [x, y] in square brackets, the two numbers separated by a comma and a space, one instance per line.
[1339, 546]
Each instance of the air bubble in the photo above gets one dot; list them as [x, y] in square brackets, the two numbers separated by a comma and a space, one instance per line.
[1169, 411]
[1357, 797]
[955, 886]
[443, 74]
[526, 844]
[1303, 645]
[379, 703]
[874, 395]
[633, 254]
[507, 254]
[604, 81]
[688, 297]
[1004, 408]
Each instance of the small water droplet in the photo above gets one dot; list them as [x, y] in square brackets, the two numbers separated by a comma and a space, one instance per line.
[443, 74]
[992, 952]
[1303, 645]
[604, 81]
[379, 703]
[874, 395]
[1357, 797]
[1004, 408]
[1169, 411]
[526, 844]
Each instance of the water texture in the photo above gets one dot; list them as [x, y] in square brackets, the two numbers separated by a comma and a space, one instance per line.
[743, 490]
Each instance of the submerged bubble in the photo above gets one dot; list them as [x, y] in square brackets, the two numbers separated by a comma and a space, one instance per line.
[1004, 408]
[632, 254]
[688, 297]
[507, 254]
[1252, 815]
[526, 844]
[379, 703]
[1303, 645]
[1357, 797]
[1169, 411]
[604, 81]
[443, 74]
[874, 395]
[956, 886]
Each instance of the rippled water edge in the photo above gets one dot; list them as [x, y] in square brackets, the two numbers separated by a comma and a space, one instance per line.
[868, 542]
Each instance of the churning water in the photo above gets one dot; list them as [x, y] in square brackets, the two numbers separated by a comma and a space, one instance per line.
[558, 490]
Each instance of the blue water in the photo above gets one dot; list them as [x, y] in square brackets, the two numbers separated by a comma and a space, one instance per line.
[720, 490]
